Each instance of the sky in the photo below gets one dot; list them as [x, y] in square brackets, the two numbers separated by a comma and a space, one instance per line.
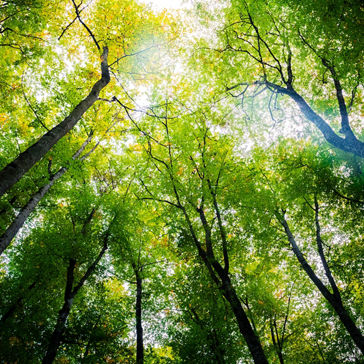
[167, 4]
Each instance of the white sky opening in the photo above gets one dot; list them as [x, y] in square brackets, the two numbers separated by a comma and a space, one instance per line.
[168, 4]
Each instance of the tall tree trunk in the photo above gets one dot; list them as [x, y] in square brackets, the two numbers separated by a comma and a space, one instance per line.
[276, 342]
[24, 213]
[221, 277]
[333, 299]
[350, 143]
[138, 316]
[63, 314]
[26, 160]
[348, 322]
[217, 273]
[57, 334]
[245, 327]
[69, 295]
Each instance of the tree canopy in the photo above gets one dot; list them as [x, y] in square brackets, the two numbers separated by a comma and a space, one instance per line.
[182, 185]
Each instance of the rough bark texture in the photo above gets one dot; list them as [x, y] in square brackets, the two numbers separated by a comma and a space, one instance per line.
[26, 160]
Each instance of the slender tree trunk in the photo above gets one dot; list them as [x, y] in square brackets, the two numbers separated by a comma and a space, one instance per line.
[69, 295]
[138, 316]
[221, 277]
[333, 299]
[348, 322]
[280, 356]
[63, 314]
[245, 327]
[24, 213]
[350, 143]
[56, 337]
[26, 160]
[219, 274]
[276, 343]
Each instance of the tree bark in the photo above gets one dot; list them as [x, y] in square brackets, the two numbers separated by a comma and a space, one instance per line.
[348, 322]
[229, 293]
[276, 342]
[69, 295]
[333, 299]
[245, 327]
[138, 316]
[24, 213]
[26, 160]
[349, 144]
[63, 314]
[221, 277]
[217, 273]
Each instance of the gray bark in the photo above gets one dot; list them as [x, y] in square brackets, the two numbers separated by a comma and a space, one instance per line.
[24, 213]
[26, 160]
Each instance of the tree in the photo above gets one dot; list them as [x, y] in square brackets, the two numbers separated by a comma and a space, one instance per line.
[14, 170]
[304, 172]
[203, 206]
[183, 211]
[270, 51]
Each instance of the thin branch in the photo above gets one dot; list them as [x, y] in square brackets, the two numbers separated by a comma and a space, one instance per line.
[74, 19]
[86, 27]
[319, 242]
[31, 107]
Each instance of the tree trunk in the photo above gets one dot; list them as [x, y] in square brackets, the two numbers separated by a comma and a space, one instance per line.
[222, 279]
[69, 295]
[245, 327]
[276, 343]
[26, 160]
[63, 314]
[24, 213]
[348, 322]
[349, 144]
[56, 337]
[138, 316]
[334, 300]
[280, 356]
